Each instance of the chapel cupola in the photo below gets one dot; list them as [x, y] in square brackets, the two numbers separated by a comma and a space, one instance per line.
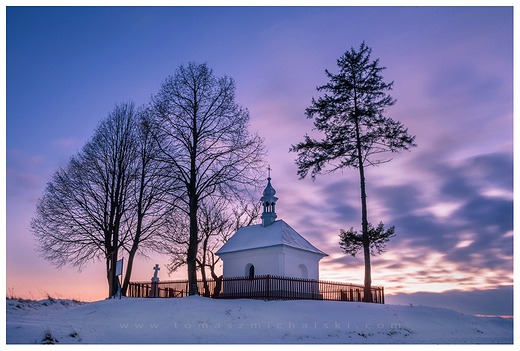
[269, 201]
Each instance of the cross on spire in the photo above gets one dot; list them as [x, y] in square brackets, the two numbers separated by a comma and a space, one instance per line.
[269, 171]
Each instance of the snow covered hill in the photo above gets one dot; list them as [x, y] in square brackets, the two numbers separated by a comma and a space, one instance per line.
[202, 320]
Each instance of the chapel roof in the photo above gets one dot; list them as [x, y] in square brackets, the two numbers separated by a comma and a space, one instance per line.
[258, 236]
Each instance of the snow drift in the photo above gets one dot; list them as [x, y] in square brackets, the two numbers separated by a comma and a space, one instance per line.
[203, 320]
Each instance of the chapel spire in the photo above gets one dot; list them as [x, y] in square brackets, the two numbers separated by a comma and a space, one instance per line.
[269, 201]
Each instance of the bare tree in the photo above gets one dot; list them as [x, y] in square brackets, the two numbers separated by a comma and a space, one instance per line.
[149, 197]
[105, 199]
[203, 135]
[214, 226]
[243, 215]
[217, 225]
[217, 222]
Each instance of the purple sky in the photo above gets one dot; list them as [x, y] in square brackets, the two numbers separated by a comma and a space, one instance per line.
[450, 198]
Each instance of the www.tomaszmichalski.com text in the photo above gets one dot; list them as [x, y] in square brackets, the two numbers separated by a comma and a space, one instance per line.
[268, 325]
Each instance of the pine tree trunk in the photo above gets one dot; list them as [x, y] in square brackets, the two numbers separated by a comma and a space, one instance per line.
[364, 220]
[366, 242]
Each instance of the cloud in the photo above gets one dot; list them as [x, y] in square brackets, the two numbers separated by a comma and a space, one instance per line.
[487, 218]
[400, 200]
[338, 196]
[455, 230]
[495, 168]
[451, 230]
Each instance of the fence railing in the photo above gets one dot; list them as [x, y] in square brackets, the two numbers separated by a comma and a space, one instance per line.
[260, 287]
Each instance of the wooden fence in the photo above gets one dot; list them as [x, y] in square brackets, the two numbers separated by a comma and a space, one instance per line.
[259, 287]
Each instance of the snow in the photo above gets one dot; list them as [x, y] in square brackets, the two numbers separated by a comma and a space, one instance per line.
[257, 236]
[197, 319]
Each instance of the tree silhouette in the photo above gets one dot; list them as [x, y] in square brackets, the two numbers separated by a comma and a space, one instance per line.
[106, 199]
[357, 134]
[218, 220]
[205, 143]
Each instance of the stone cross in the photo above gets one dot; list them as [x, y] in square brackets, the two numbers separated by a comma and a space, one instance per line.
[156, 269]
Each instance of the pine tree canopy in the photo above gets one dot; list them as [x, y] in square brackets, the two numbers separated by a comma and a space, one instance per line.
[351, 115]
[351, 242]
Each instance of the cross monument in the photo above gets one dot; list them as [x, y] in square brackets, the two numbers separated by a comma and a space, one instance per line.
[155, 279]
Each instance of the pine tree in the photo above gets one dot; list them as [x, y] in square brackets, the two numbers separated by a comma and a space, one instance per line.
[357, 133]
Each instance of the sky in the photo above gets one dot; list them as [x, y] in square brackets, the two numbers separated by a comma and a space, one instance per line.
[450, 198]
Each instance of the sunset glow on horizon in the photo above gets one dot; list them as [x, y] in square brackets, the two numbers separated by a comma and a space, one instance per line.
[450, 198]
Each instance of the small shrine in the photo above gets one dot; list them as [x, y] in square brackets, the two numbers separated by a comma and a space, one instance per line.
[271, 248]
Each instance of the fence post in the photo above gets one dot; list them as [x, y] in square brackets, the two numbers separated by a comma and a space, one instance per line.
[267, 286]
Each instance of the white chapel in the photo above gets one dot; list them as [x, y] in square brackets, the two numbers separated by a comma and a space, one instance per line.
[272, 247]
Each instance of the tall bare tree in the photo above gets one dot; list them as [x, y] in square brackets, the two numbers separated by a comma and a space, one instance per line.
[204, 138]
[357, 132]
[150, 210]
[105, 198]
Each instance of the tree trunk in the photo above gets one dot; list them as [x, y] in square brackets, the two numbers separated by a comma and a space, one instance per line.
[128, 272]
[192, 248]
[218, 281]
[194, 204]
[202, 266]
[218, 287]
[109, 280]
[111, 273]
[205, 282]
[138, 231]
[364, 220]
[366, 242]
